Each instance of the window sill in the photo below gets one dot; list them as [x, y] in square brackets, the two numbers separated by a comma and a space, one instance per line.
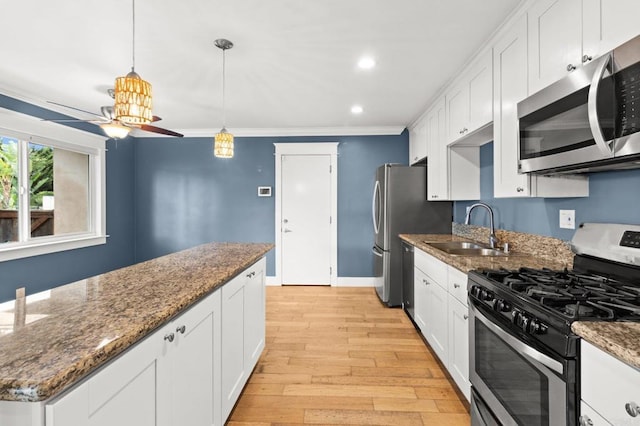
[36, 248]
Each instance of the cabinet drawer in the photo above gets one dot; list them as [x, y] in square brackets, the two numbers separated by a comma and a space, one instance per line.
[608, 385]
[432, 267]
[457, 284]
[590, 416]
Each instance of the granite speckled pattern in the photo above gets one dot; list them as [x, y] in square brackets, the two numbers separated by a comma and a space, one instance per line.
[48, 344]
[540, 246]
[620, 339]
[465, 264]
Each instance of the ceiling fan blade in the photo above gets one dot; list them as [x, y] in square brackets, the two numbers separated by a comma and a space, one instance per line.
[74, 108]
[155, 129]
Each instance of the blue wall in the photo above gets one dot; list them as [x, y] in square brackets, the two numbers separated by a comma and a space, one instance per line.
[185, 196]
[43, 272]
[613, 197]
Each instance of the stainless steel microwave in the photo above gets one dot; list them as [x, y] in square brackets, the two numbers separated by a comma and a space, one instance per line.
[588, 121]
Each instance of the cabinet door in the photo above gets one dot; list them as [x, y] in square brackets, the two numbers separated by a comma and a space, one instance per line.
[437, 331]
[418, 141]
[254, 326]
[420, 300]
[555, 41]
[607, 24]
[234, 369]
[437, 158]
[481, 92]
[589, 416]
[457, 110]
[459, 345]
[122, 393]
[510, 87]
[192, 361]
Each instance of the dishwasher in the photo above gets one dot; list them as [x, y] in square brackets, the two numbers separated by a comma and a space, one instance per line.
[407, 279]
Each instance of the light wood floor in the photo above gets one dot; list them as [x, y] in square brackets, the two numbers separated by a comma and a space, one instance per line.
[337, 356]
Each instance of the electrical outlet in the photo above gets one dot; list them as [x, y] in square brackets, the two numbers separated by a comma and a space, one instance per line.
[568, 219]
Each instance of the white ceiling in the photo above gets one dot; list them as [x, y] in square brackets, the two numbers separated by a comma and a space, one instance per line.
[293, 68]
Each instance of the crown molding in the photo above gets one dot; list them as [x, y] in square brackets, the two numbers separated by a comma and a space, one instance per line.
[297, 131]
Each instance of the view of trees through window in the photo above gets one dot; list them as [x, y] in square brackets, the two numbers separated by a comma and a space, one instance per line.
[48, 214]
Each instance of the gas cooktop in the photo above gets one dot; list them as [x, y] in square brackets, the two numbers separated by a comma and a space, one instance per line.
[574, 295]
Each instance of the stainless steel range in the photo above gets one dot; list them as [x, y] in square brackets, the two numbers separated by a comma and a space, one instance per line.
[524, 360]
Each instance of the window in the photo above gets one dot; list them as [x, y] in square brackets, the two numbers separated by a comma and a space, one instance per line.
[51, 188]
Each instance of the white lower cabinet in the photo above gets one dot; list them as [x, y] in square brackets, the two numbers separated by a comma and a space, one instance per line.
[441, 314]
[608, 387]
[180, 374]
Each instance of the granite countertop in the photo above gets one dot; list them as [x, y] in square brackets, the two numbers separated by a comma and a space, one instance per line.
[469, 263]
[50, 340]
[620, 339]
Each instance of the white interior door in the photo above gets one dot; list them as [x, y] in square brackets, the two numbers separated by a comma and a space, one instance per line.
[306, 219]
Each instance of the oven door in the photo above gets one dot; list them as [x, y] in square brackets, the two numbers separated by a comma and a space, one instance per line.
[519, 384]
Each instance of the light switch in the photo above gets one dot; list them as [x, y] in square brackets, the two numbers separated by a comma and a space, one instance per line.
[568, 219]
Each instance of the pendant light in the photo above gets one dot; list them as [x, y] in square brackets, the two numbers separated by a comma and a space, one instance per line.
[133, 98]
[223, 142]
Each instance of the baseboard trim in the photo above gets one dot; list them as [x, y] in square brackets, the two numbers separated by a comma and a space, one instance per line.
[340, 282]
[355, 282]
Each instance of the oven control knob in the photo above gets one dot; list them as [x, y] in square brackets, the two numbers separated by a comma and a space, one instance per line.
[502, 306]
[536, 327]
[475, 291]
[486, 296]
[515, 317]
[524, 324]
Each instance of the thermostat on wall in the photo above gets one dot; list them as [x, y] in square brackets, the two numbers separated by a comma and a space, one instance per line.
[264, 191]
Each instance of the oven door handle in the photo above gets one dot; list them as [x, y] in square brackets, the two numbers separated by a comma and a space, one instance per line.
[522, 348]
[592, 108]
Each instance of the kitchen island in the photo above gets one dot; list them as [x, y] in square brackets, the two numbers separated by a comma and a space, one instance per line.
[55, 339]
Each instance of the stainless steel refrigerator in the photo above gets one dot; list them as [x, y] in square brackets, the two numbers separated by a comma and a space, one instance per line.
[399, 207]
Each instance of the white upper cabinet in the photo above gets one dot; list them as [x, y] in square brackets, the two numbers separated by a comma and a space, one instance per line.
[469, 103]
[418, 141]
[510, 87]
[437, 159]
[555, 41]
[607, 24]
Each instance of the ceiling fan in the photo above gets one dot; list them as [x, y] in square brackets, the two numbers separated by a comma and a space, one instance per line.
[113, 127]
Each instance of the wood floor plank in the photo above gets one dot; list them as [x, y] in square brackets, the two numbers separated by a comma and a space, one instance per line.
[337, 356]
[350, 390]
[356, 417]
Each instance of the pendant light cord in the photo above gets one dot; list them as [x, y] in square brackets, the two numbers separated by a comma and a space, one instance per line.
[133, 37]
[224, 113]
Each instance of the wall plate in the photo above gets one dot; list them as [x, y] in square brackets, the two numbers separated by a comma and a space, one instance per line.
[568, 219]
[264, 191]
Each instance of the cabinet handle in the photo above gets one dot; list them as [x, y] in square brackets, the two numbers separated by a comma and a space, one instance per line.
[585, 421]
[465, 316]
[519, 189]
[169, 337]
[251, 274]
[465, 130]
[571, 67]
[586, 58]
[435, 196]
[425, 282]
[181, 329]
[456, 285]
[632, 409]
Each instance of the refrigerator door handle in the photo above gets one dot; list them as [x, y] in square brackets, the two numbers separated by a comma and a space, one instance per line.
[375, 212]
[376, 251]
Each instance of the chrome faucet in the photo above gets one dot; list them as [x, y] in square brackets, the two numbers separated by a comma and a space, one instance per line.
[493, 240]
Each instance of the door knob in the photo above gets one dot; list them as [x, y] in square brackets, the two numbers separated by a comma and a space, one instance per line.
[285, 221]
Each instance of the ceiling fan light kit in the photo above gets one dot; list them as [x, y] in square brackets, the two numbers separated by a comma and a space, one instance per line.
[223, 141]
[115, 130]
[133, 97]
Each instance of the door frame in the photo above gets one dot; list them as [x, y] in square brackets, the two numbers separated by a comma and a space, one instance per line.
[316, 148]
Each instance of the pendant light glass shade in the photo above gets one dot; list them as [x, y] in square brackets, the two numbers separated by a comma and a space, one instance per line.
[223, 141]
[223, 144]
[133, 98]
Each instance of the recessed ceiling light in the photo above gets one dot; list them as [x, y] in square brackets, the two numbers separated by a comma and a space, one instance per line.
[366, 63]
[356, 109]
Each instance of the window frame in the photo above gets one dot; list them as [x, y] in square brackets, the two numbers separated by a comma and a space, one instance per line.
[28, 129]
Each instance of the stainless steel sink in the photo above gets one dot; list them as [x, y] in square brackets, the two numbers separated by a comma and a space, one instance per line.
[466, 248]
